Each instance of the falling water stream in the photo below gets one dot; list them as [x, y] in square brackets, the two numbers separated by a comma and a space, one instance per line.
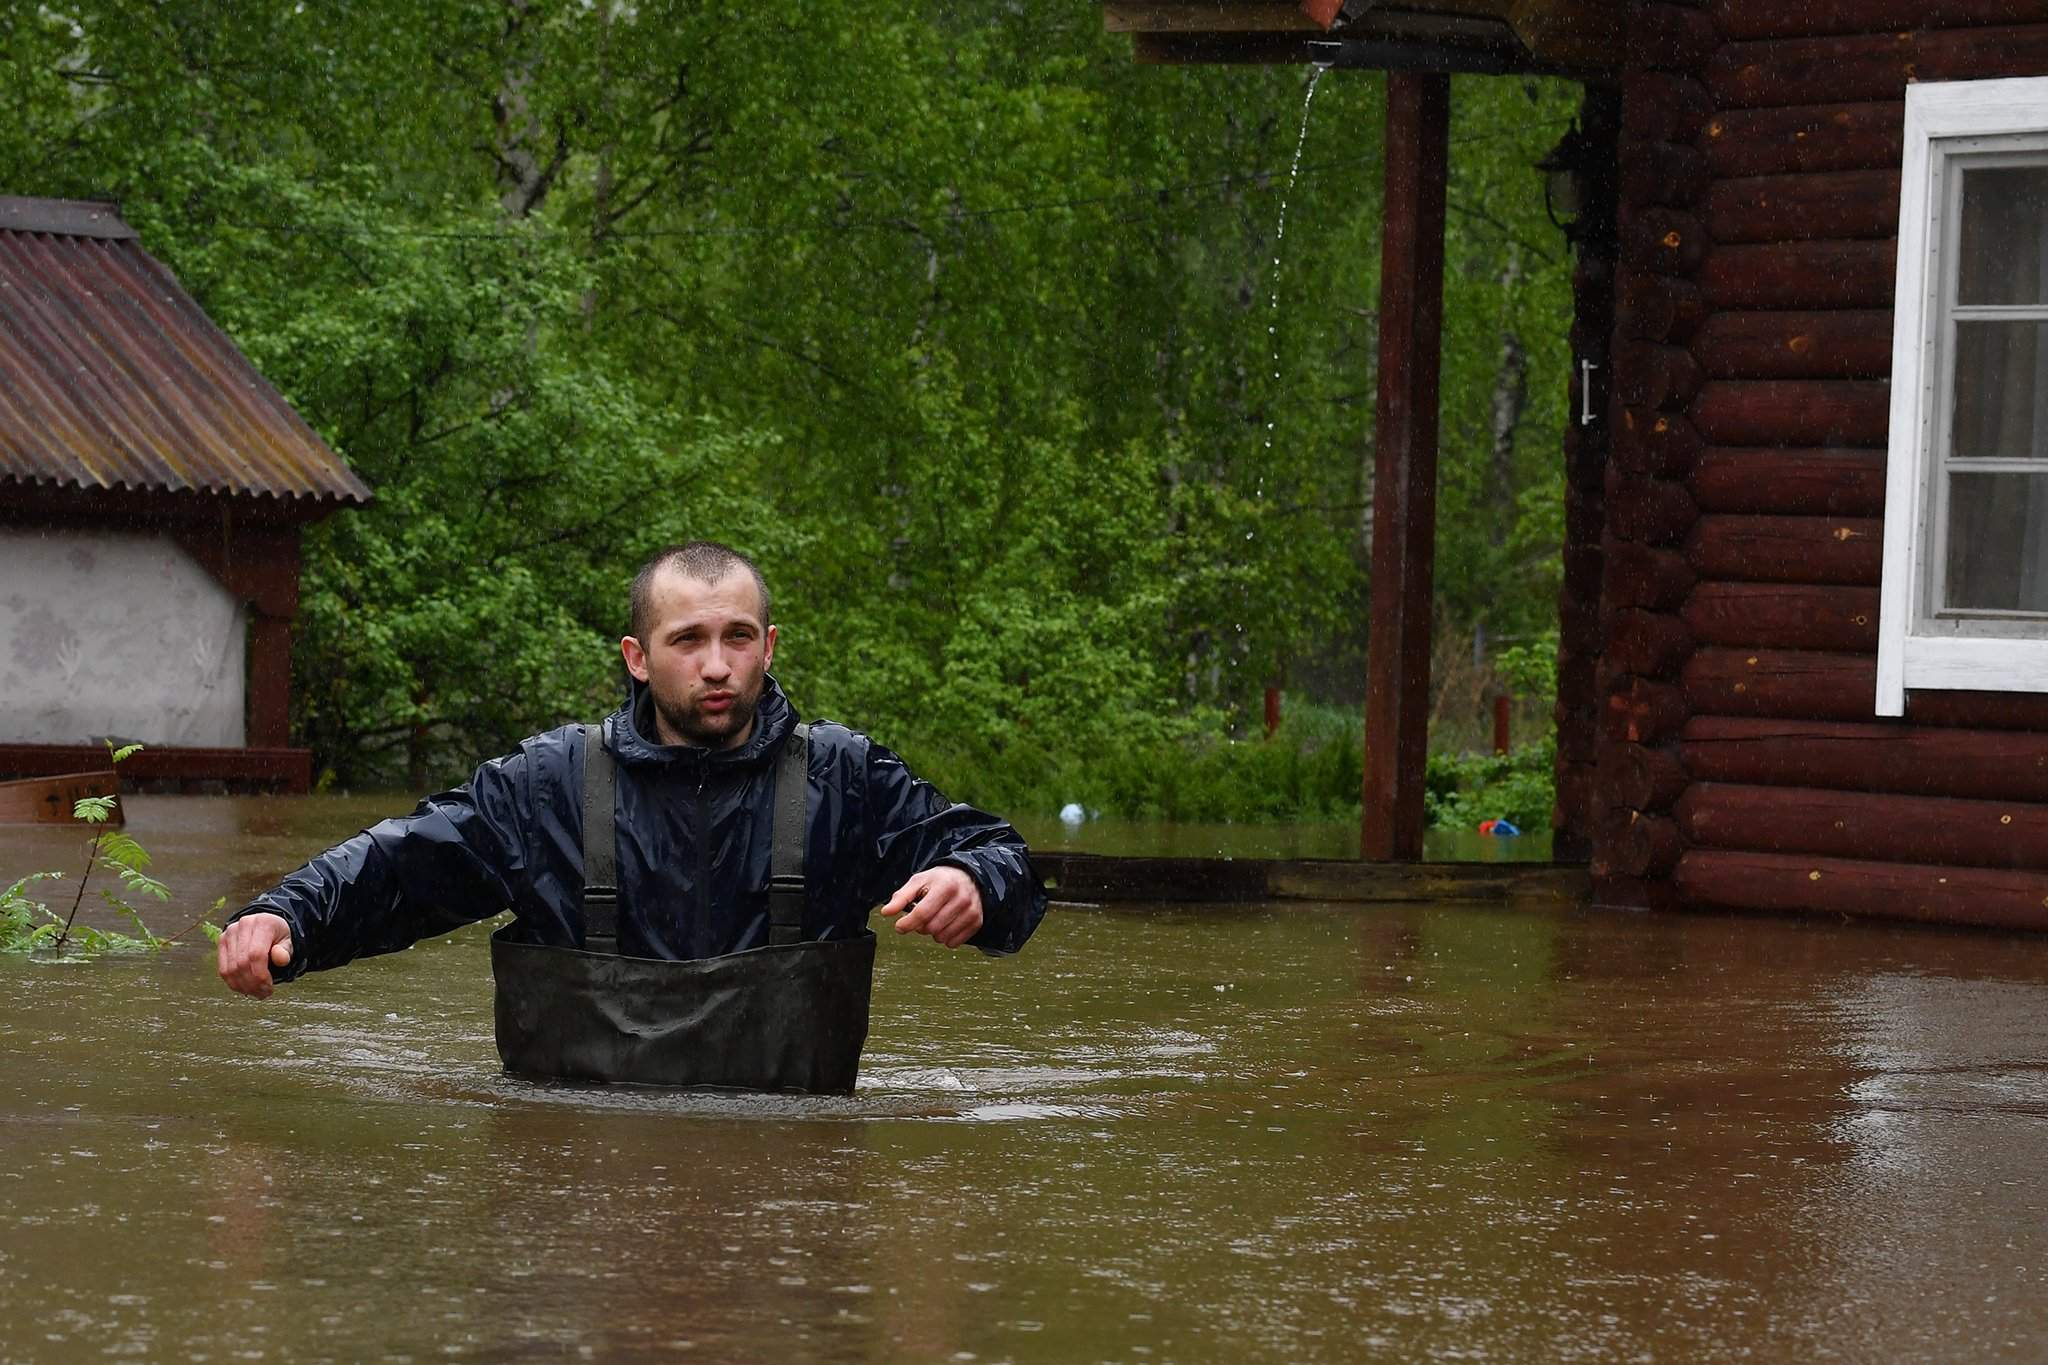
[1279, 245]
[1273, 322]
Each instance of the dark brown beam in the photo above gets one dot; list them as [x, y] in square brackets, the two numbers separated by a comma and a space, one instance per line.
[1804, 138]
[1405, 441]
[1801, 275]
[1916, 760]
[1739, 19]
[1263, 16]
[1784, 616]
[1788, 883]
[289, 770]
[1790, 482]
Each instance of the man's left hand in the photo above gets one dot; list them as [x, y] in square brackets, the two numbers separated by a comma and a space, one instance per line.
[942, 901]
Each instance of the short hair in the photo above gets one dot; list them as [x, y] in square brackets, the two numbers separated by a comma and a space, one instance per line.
[704, 560]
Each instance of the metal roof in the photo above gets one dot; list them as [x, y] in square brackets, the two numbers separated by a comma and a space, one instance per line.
[111, 376]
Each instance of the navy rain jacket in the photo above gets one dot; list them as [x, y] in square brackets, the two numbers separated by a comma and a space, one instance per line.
[693, 849]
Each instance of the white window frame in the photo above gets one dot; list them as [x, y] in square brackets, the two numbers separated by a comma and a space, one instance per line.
[1944, 122]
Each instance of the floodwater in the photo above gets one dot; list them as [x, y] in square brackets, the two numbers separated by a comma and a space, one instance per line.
[1287, 1133]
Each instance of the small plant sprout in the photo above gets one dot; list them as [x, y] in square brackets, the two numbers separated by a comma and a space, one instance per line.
[27, 924]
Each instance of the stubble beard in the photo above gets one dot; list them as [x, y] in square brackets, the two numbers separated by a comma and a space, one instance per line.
[709, 732]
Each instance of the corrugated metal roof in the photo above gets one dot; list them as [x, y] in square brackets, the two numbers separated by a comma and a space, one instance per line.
[112, 377]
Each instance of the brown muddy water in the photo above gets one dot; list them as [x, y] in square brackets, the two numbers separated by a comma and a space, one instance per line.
[1278, 1134]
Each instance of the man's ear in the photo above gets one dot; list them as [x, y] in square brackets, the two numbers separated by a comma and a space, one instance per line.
[767, 649]
[636, 657]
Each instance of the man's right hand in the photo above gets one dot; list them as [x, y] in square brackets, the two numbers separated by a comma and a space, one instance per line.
[250, 947]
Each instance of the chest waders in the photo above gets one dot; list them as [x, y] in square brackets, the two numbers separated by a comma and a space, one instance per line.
[789, 1016]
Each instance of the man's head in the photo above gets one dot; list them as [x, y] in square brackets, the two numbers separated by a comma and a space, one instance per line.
[702, 642]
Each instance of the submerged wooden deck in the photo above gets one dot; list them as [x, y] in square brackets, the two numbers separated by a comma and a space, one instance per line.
[1093, 878]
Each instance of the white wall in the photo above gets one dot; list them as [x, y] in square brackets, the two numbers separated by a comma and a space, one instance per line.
[115, 634]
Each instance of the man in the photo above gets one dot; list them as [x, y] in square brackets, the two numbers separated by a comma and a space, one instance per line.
[690, 882]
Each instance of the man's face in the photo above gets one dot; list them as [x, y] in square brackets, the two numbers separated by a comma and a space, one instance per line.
[705, 657]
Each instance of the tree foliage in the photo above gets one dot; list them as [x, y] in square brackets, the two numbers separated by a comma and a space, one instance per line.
[979, 335]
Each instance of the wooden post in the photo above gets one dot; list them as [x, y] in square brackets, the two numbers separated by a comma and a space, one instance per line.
[1404, 469]
[273, 602]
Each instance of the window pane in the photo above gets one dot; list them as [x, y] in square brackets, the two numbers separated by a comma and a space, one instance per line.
[2005, 235]
[2001, 391]
[1998, 542]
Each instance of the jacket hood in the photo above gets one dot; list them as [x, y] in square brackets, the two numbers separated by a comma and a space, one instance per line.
[631, 735]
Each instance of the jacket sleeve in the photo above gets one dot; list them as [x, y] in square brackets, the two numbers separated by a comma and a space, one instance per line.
[911, 826]
[458, 858]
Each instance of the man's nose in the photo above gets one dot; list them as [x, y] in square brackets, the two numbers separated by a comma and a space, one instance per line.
[717, 664]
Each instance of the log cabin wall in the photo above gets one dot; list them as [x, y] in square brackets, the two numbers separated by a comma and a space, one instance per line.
[1586, 449]
[1742, 764]
[1649, 509]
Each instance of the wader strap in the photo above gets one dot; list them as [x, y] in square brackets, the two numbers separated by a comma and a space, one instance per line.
[786, 855]
[600, 847]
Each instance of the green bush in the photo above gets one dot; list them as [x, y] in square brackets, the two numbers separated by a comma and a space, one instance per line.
[1460, 790]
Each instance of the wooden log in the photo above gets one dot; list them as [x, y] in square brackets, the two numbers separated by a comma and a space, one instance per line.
[1571, 818]
[1257, 16]
[1612, 891]
[1835, 206]
[1980, 710]
[1657, 174]
[1092, 877]
[1585, 514]
[1592, 274]
[1801, 275]
[1663, 242]
[1578, 626]
[1919, 760]
[1783, 616]
[1738, 20]
[1783, 683]
[1575, 788]
[1640, 777]
[1648, 511]
[1785, 883]
[1793, 412]
[1652, 644]
[1578, 731]
[1852, 824]
[1637, 844]
[1578, 680]
[1586, 449]
[1794, 345]
[1660, 445]
[1657, 308]
[1349, 880]
[53, 800]
[1645, 576]
[1639, 711]
[1825, 483]
[1845, 551]
[1647, 375]
[1584, 568]
[1405, 462]
[1670, 37]
[1869, 65]
[1656, 107]
[1589, 337]
[1804, 139]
